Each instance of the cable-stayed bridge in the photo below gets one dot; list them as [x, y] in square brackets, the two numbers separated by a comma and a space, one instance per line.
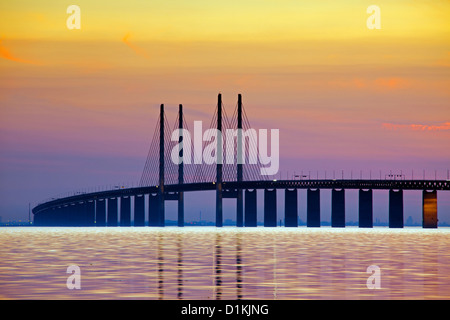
[235, 167]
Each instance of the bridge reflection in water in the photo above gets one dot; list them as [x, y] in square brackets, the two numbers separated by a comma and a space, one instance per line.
[225, 263]
[113, 207]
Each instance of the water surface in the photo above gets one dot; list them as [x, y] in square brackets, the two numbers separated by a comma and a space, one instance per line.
[227, 263]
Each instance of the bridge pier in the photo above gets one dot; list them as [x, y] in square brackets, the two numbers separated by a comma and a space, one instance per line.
[53, 219]
[290, 208]
[63, 219]
[38, 218]
[125, 211]
[270, 208]
[180, 209]
[395, 208]
[74, 218]
[82, 214]
[429, 209]
[100, 213]
[72, 213]
[365, 208]
[313, 208]
[162, 207]
[44, 218]
[90, 213]
[338, 208]
[219, 205]
[139, 210]
[153, 210]
[57, 217]
[112, 212]
[240, 208]
[250, 208]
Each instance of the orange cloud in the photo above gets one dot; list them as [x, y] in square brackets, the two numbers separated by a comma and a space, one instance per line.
[4, 53]
[136, 49]
[388, 83]
[417, 127]
[391, 83]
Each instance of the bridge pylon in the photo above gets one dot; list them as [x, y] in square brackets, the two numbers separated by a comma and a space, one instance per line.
[219, 173]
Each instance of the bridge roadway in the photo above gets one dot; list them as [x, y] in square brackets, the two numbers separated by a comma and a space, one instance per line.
[230, 190]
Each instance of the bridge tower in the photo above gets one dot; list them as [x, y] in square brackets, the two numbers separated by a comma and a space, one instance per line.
[161, 214]
[156, 214]
[219, 194]
[180, 169]
[240, 157]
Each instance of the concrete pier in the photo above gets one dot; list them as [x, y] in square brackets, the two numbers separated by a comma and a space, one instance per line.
[153, 210]
[250, 208]
[338, 208]
[90, 213]
[429, 209]
[270, 208]
[313, 208]
[112, 212]
[365, 208]
[139, 210]
[395, 208]
[125, 211]
[100, 213]
[290, 208]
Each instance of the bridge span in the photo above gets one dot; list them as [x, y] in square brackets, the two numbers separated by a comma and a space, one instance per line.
[105, 209]
[113, 207]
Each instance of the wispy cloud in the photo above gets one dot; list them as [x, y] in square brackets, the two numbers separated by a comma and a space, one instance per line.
[384, 83]
[135, 48]
[417, 127]
[6, 54]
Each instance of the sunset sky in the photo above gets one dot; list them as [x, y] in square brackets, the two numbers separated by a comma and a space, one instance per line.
[78, 107]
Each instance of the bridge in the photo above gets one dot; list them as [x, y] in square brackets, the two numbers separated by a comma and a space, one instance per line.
[162, 180]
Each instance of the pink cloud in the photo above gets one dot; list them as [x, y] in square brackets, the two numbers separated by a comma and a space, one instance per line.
[417, 127]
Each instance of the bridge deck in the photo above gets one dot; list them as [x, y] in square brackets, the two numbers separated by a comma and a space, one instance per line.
[263, 184]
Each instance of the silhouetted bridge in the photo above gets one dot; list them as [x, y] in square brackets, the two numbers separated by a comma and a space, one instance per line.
[113, 207]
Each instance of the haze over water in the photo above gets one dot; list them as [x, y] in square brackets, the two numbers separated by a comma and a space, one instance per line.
[227, 263]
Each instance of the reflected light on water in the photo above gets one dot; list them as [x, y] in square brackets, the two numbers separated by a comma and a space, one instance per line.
[227, 263]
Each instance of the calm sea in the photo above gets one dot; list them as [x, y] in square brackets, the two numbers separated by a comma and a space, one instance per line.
[227, 263]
